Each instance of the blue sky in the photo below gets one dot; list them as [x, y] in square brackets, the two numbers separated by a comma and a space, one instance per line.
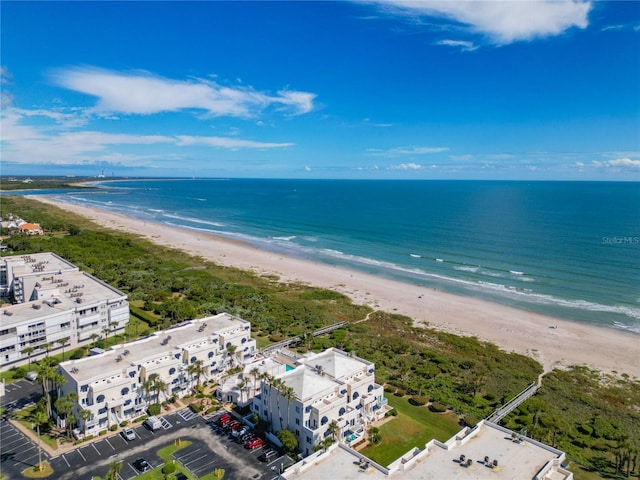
[380, 89]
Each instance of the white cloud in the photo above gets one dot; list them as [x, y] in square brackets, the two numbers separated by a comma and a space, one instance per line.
[406, 166]
[623, 162]
[502, 21]
[402, 151]
[27, 143]
[307, 168]
[143, 93]
[226, 142]
[462, 44]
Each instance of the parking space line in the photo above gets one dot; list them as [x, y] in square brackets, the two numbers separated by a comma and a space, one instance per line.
[107, 440]
[65, 460]
[80, 452]
[94, 447]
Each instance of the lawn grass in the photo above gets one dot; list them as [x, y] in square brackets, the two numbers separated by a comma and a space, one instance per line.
[24, 417]
[165, 453]
[413, 427]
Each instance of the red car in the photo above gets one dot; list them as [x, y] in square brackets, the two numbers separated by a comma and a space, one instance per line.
[233, 424]
[224, 419]
[255, 442]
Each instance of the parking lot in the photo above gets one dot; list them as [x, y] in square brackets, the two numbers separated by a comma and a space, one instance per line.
[18, 452]
[211, 448]
[19, 394]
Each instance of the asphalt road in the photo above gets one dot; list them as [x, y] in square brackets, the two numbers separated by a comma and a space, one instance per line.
[211, 448]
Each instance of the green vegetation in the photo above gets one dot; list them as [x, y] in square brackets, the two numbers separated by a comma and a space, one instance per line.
[590, 417]
[412, 427]
[48, 183]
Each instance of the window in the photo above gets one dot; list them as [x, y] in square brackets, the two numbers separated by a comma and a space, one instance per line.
[297, 421]
[370, 389]
[297, 408]
[210, 354]
[308, 439]
[124, 391]
[100, 399]
[132, 374]
[324, 420]
[356, 395]
[172, 371]
[84, 388]
[193, 359]
[342, 411]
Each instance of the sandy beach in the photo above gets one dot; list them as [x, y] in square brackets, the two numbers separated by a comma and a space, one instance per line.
[553, 342]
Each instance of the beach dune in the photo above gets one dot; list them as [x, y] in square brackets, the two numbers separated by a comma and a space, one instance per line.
[552, 342]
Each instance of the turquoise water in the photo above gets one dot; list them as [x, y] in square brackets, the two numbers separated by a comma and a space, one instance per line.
[568, 249]
[288, 367]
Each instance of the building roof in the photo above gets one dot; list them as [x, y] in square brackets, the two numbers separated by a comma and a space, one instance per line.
[189, 335]
[337, 363]
[515, 459]
[45, 262]
[306, 382]
[518, 457]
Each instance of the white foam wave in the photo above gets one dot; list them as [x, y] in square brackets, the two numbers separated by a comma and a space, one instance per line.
[194, 220]
[466, 268]
[515, 272]
[286, 239]
[439, 260]
[414, 255]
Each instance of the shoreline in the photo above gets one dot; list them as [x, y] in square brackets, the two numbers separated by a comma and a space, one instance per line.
[550, 341]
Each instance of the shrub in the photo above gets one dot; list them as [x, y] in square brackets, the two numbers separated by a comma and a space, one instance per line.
[113, 427]
[418, 400]
[437, 407]
[389, 388]
[124, 423]
[400, 393]
[469, 421]
[19, 372]
[79, 353]
[102, 432]
[169, 468]
[154, 409]
[140, 418]
[210, 410]
[195, 407]
[391, 413]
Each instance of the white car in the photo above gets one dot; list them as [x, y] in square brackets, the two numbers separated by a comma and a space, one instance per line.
[129, 434]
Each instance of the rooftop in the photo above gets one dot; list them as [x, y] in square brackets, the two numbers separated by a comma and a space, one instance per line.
[517, 457]
[38, 263]
[189, 335]
[306, 382]
[336, 363]
[59, 293]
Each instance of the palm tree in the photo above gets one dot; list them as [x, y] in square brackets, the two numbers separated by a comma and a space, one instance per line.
[113, 326]
[279, 385]
[47, 347]
[64, 407]
[46, 375]
[290, 395]
[106, 331]
[114, 471]
[39, 418]
[241, 385]
[333, 429]
[62, 342]
[152, 381]
[94, 337]
[255, 373]
[231, 350]
[159, 386]
[28, 351]
[85, 415]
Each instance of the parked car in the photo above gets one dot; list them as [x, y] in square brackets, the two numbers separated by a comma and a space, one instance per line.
[267, 455]
[129, 434]
[240, 431]
[181, 476]
[255, 442]
[142, 465]
[245, 437]
[232, 424]
[224, 419]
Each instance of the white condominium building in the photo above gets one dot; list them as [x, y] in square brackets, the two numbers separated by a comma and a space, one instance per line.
[326, 387]
[58, 307]
[123, 381]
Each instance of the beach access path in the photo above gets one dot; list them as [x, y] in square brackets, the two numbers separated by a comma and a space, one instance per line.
[552, 342]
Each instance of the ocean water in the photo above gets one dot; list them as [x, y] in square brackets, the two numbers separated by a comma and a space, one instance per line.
[566, 249]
